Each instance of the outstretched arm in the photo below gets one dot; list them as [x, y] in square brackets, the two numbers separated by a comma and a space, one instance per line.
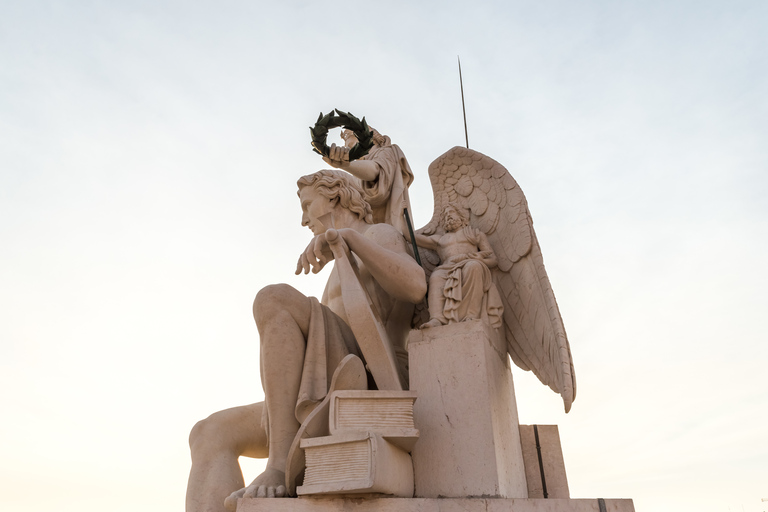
[384, 256]
[382, 251]
[427, 242]
[366, 170]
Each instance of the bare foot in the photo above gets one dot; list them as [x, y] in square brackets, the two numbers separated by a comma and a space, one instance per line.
[269, 484]
[432, 323]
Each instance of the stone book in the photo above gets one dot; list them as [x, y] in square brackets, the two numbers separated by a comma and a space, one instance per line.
[354, 463]
[387, 413]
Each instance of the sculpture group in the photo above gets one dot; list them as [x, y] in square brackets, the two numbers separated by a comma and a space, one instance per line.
[480, 260]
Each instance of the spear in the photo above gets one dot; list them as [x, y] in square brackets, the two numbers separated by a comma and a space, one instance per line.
[413, 236]
[463, 110]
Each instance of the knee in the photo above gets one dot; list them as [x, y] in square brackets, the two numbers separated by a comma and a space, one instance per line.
[473, 267]
[269, 301]
[474, 264]
[201, 434]
[207, 438]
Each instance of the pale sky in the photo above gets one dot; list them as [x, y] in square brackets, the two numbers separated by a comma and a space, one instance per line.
[148, 158]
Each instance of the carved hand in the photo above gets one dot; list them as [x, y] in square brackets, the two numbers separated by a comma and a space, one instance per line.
[487, 257]
[338, 158]
[458, 257]
[316, 255]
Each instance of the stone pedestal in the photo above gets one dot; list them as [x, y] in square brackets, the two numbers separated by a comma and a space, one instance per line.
[471, 456]
[466, 413]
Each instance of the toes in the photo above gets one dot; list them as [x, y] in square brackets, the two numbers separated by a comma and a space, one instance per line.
[250, 492]
[280, 491]
[230, 503]
[262, 492]
[271, 492]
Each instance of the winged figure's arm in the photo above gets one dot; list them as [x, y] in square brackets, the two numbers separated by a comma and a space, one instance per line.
[486, 254]
[427, 242]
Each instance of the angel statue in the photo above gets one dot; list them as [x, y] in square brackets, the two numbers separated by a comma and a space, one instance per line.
[356, 336]
[531, 321]
[461, 287]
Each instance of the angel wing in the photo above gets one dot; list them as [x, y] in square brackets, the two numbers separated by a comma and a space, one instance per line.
[533, 327]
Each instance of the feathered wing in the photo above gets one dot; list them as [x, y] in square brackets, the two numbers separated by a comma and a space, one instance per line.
[533, 327]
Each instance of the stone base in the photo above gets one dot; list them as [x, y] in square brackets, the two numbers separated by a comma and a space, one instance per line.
[466, 413]
[432, 505]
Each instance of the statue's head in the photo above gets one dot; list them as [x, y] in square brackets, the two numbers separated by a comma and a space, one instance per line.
[453, 218]
[350, 139]
[325, 190]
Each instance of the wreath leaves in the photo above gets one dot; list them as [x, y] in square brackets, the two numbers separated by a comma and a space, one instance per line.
[335, 119]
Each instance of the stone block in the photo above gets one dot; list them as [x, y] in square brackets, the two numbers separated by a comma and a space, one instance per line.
[544, 464]
[355, 462]
[466, 414]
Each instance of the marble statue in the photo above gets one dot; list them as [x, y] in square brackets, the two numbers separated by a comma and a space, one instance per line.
[461, 288]
[530, 323]
[303, 341]
[484, 267]
[384, 176]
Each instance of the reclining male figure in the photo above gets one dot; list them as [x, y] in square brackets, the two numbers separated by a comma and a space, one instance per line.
[302, 342]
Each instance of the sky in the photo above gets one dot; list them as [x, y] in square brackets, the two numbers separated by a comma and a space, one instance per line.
[148, 158]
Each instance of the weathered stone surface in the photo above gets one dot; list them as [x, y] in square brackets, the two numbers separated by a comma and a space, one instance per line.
[466, 413]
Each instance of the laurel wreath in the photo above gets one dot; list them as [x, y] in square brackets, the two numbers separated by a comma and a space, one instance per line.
[336, 119]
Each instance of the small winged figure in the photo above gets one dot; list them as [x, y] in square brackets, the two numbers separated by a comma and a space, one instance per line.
[461, 287]
[483, 191]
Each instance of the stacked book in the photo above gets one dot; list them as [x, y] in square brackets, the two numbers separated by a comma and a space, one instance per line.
[368, 451]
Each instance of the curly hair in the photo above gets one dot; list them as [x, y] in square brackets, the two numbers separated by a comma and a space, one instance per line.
[338, 185]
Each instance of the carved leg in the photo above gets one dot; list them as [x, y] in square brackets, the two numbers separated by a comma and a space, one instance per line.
[436, 299]
[216, 443]
[473, 289]
[282, 317]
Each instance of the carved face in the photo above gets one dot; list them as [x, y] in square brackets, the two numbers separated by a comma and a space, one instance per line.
[452, 219]
[350, 139]
[314, 206]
